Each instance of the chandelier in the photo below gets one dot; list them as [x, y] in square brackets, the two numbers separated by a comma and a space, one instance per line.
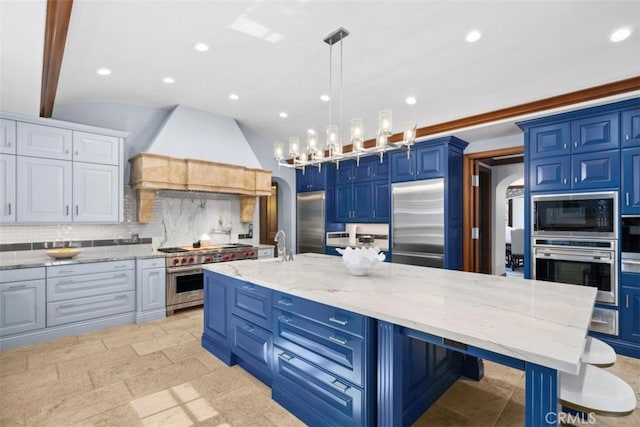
[333, 150]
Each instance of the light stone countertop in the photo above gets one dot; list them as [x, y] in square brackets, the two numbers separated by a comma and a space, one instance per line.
[541, 322]
[38, 258]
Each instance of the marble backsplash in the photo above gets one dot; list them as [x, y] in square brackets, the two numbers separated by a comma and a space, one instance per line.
[179, 219]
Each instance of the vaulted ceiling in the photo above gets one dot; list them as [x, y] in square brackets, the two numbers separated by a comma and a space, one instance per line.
[271, 55]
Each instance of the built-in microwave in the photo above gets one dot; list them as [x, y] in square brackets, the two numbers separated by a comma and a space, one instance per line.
[591, 215]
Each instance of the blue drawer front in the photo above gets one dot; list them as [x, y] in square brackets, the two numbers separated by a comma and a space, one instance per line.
[314, 396]
[253, 303]
[254, 346]
[333, 317]
[331, 349]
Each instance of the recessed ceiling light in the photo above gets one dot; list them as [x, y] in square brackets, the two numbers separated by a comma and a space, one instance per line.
[620, 34]
[284, 115]
[411, 100]
[473, 36]
[201, 47]
[103, 71]
[234, 97]
[325, 97]
[169, 80]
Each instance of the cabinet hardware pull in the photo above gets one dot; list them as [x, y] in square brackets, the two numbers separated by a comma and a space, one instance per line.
[66, 282]
[121, 297]
[599, 322]
[338, 321]
[247, 328]
[337, 340]
[285, 319]
[564, 181]
[284, 302]
[626, 299]
[285, 356]
[337, 384]
[65, 271]
[67, 210]
[374, 213]
[10, 207]
[67, 305]
[9, 143]
[120, 266]
[575, 144]
[76, 152]
[626, 137]
[564, 146]
[77, 210]
[17, 287]
[120, 275]
[627, 197]
[575, 179]
[248, 288]
[66, 151]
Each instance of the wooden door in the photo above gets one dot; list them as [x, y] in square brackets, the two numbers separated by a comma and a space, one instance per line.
[269, 217]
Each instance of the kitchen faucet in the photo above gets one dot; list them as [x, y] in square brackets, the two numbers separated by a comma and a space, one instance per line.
[281, 239]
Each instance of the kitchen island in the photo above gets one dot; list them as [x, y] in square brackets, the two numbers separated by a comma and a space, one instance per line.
[539, 327]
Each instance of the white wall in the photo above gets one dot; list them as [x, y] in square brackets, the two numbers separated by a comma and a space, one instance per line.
[494, 144]
[501, 178]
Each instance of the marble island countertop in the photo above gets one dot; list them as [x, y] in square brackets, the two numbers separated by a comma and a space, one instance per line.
[38, 258]
[541, 322]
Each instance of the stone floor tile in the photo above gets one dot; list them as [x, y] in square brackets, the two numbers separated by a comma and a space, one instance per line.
[241, 406]
[46, 346]
[133, 336]
[174, 417]
[102, 360]
[512, 415]
[74, 351]
[482, 406]
[160, 343]
[163, 378]
[183, 324]
[12, 365]
[154, 403]
[437, 416]
[120, 416]
[80, 406]
[29, 379]
[187, 350]
[201, 409]
[128, 368]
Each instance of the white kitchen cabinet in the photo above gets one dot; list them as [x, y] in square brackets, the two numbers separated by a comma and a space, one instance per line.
[265, 252]
[82, 292]
[96, 191]
[151, 289]
[44, 141]
[95, 148]
[7, 136]
[7, 188]
[22, 300]
[43, 190]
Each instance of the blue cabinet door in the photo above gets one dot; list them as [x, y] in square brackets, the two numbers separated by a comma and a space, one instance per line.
[381, 201]
[363, 201]
[346, 172]
[549, 140]
[631, 128]
[630, 313]
[630, 181]
[344, 202]
[312, 179]
[595, 133]
[379, 168]
[429, 162]
[254, 346]
[216, 309]
[596, 170]
[550, 173]
[402, 168]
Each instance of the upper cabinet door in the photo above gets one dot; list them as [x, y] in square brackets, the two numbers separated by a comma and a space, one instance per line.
[7, 188]
[44, 190]
[429, 161]
[93, 148]
[596, 170]
[402, 168]
[44, 141]
[630, 192]
[549, 140]
[596, 133]
[7, 136]
[631, 128]
[95, 193]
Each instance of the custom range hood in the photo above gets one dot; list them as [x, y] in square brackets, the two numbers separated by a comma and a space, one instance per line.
[198, 151]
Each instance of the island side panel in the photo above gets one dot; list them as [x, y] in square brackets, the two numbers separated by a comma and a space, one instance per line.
[541, 396]
[390, 387]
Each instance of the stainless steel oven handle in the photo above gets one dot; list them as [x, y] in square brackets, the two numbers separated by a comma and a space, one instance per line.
[574, 257]
[184, 270]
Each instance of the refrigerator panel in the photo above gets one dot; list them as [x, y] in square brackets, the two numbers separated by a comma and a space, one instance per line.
[310, 222]
[418, 223]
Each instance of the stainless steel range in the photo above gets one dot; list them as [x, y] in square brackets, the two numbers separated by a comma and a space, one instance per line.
[185, 280]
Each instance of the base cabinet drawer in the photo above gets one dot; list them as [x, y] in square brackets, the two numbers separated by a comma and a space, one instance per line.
[87, 285]
[253, 345]
[314, 396]
[59, 313]
[22, 306]
[253, 303]
[337, 352]
[604, 321]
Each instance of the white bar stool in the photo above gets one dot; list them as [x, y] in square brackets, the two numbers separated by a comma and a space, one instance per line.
[596, 390]
[598, 353]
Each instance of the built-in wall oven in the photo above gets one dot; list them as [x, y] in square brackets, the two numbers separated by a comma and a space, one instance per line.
[590, 215]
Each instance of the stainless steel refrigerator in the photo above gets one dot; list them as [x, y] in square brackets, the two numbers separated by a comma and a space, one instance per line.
[310, 222]
[417, 221]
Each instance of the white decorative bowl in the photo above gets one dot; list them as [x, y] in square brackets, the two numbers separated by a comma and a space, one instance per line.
[360, 260]
[63, 253]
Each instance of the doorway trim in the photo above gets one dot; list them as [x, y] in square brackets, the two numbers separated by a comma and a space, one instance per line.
[469, 202]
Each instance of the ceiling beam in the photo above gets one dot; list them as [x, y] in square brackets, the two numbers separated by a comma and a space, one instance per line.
[55, 37]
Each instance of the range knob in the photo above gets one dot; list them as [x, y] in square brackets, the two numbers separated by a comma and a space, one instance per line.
[176, 261]
[233, 255]
[251, 253]
[207, 259]
[191, 260]
[226, 257]
[183, 260]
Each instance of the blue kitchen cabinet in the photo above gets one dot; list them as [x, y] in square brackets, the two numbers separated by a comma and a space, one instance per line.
[630, 190]
[575, 172]
[253, 347]
[217, 315]
[630, 307]
[312, 179]
[549, 140]
[363, 201]
[630, 128]
[344, 203]
[381, 200]
[372, 168]
[346, 171]
[424, 162]
[597, 133]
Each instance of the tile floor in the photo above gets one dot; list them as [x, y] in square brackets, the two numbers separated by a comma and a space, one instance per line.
[156, 374]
